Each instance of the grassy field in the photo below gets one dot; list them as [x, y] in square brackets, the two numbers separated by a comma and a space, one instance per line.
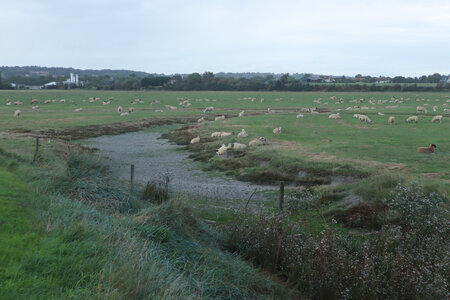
[376, 156]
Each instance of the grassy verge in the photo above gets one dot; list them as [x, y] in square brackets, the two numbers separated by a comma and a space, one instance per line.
[72, 232]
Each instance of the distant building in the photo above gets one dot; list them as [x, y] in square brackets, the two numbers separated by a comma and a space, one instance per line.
[72, 80]
[312, 78]
[53, 83]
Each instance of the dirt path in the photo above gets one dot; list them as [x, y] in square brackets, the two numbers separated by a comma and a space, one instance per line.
[153, 157]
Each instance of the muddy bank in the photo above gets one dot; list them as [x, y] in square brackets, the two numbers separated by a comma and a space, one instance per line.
[154, 158]
[81, 132]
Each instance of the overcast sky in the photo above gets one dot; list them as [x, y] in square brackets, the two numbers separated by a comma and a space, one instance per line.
[398, 37]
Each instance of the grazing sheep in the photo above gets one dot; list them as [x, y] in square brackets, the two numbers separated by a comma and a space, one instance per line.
[62, 101]
[435, 108]
[223, 149]
[299, 116]
[219, 118]
[221, 134]
[334, 116]
[171, 107]
[195, 140]
[242, 134]
[35, 107]
[437, 118]
[429, 149]
[131, 110]
[124, 114]
[364, 118]
[79, 109]
[208, 109]
[391, 120]
[34, 101]
[277, 130]
[239, 146]
[106, 102]
[18, 103]
[412, 119]
[17, 114]
[47, 101]
[258, 141]
[202, 119]
[380, 114]
[421, 109]
[241, 114]
[119, 109]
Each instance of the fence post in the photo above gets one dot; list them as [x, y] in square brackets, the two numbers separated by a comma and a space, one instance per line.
[36, 150]
[281, 195]
[132, 179]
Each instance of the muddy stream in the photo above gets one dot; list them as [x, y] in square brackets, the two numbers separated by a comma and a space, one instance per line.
[154, 157]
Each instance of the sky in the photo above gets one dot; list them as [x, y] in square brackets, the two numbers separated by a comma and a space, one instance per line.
[397, 37]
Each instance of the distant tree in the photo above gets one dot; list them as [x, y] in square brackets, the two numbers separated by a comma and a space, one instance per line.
[435, 78]
[194, 81]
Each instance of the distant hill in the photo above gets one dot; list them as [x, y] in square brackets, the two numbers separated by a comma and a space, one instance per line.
[36, 71]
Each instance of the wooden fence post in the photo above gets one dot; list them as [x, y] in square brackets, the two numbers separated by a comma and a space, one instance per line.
[132, 179]
[36, 150]
[281, 195]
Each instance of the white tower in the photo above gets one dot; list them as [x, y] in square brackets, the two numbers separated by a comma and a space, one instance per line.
[72, 79]
[76, 79]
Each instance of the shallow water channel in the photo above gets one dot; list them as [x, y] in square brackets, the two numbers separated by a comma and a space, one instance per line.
[154, 157]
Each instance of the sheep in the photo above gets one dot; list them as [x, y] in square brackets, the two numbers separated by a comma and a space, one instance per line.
[62, 101]
[223, 149]
[391, 120]
[242, 134]
[17, 114]
[119, 109]
[356, 116]
[124, 114]
[18, 103]
[258, 141]
[270, 111]
[78, 109]
[380, 114]
[437, 118]
[158, 110]
[277, 130]
[34, 101]
[412, 119]
[106, 102]
[195, 140]
[364, 118]
[299, 116]
[221, 134]
[435, 108]
[334, 116]
[219, 118]
[208, 109]
[171, 107]
[131, 110]
[241, 114]
[421, 109]
[47, 101]
[239, 146]
[35, 107]
[429, 149]
[202, 119]
[216, 134]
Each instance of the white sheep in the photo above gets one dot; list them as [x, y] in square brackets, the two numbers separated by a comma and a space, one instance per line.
[364, 118]
[223, 149]
[17, 114]
[241, 114]
[277, 130]
[380, 114]
[131, 110]
[158, 110]
[106, 102]
[79, 109]
[239, 146]
[208, 109]
[412, 119]
[334, 116]
[437, 118]
[299, 116]
[202, 119]
[18, 103]
[35, 107]
[216, 134]
[391, 120]
[195, 140]
[435, 108]
[119, 109]
[421, 109]
[34, 101]
[219, 118]
[258, 141]
[124, 114]
[47, 101]
[221, 134]
[242, 134]
[356, 116]
[171, 107]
